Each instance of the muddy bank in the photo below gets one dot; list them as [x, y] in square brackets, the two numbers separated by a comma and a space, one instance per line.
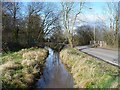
[88, 72]
[20, 69]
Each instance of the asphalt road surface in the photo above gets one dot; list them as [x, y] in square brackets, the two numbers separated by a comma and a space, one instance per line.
[109, 56]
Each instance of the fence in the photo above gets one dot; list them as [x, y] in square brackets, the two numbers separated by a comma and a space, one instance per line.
[99, 43]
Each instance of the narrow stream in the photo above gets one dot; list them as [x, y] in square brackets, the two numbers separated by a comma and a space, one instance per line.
[54, 75]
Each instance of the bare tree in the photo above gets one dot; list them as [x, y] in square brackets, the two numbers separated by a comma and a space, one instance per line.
[46, 19]
[69, 19]
[112, 13]
[33, 21]
[112, 9]
[49, 19]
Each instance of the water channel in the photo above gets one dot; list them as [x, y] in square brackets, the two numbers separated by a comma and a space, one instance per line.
[54, 75]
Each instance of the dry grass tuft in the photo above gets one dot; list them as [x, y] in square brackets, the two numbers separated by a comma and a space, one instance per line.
[20, 68]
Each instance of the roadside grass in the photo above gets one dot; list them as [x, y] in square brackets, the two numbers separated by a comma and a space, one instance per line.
[19, 69]
[87, 71]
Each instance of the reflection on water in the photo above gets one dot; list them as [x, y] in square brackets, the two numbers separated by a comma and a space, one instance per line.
[55, 75]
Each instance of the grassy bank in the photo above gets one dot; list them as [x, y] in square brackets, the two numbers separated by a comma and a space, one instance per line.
[87, 71]
[19, 69]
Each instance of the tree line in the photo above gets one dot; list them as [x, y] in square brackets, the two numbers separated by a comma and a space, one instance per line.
[34, 23]
[27, 24]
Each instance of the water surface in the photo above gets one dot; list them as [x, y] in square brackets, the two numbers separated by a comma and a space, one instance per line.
[55, 75]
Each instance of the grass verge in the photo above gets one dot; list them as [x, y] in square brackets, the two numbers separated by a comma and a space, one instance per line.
[87, 71]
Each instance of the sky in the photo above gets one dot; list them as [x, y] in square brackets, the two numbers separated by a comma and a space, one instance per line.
[97, 6]
[91, 15]
[61, 0]
[95, 10]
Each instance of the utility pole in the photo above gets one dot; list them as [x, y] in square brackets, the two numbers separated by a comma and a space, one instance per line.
[94, 26]
[94, 32]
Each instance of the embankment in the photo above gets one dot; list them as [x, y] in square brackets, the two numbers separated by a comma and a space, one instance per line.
[87, 71]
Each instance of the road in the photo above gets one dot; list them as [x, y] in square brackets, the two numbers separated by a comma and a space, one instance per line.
[109, 56]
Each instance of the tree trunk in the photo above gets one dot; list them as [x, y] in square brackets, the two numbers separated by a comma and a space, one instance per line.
[70, 40]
